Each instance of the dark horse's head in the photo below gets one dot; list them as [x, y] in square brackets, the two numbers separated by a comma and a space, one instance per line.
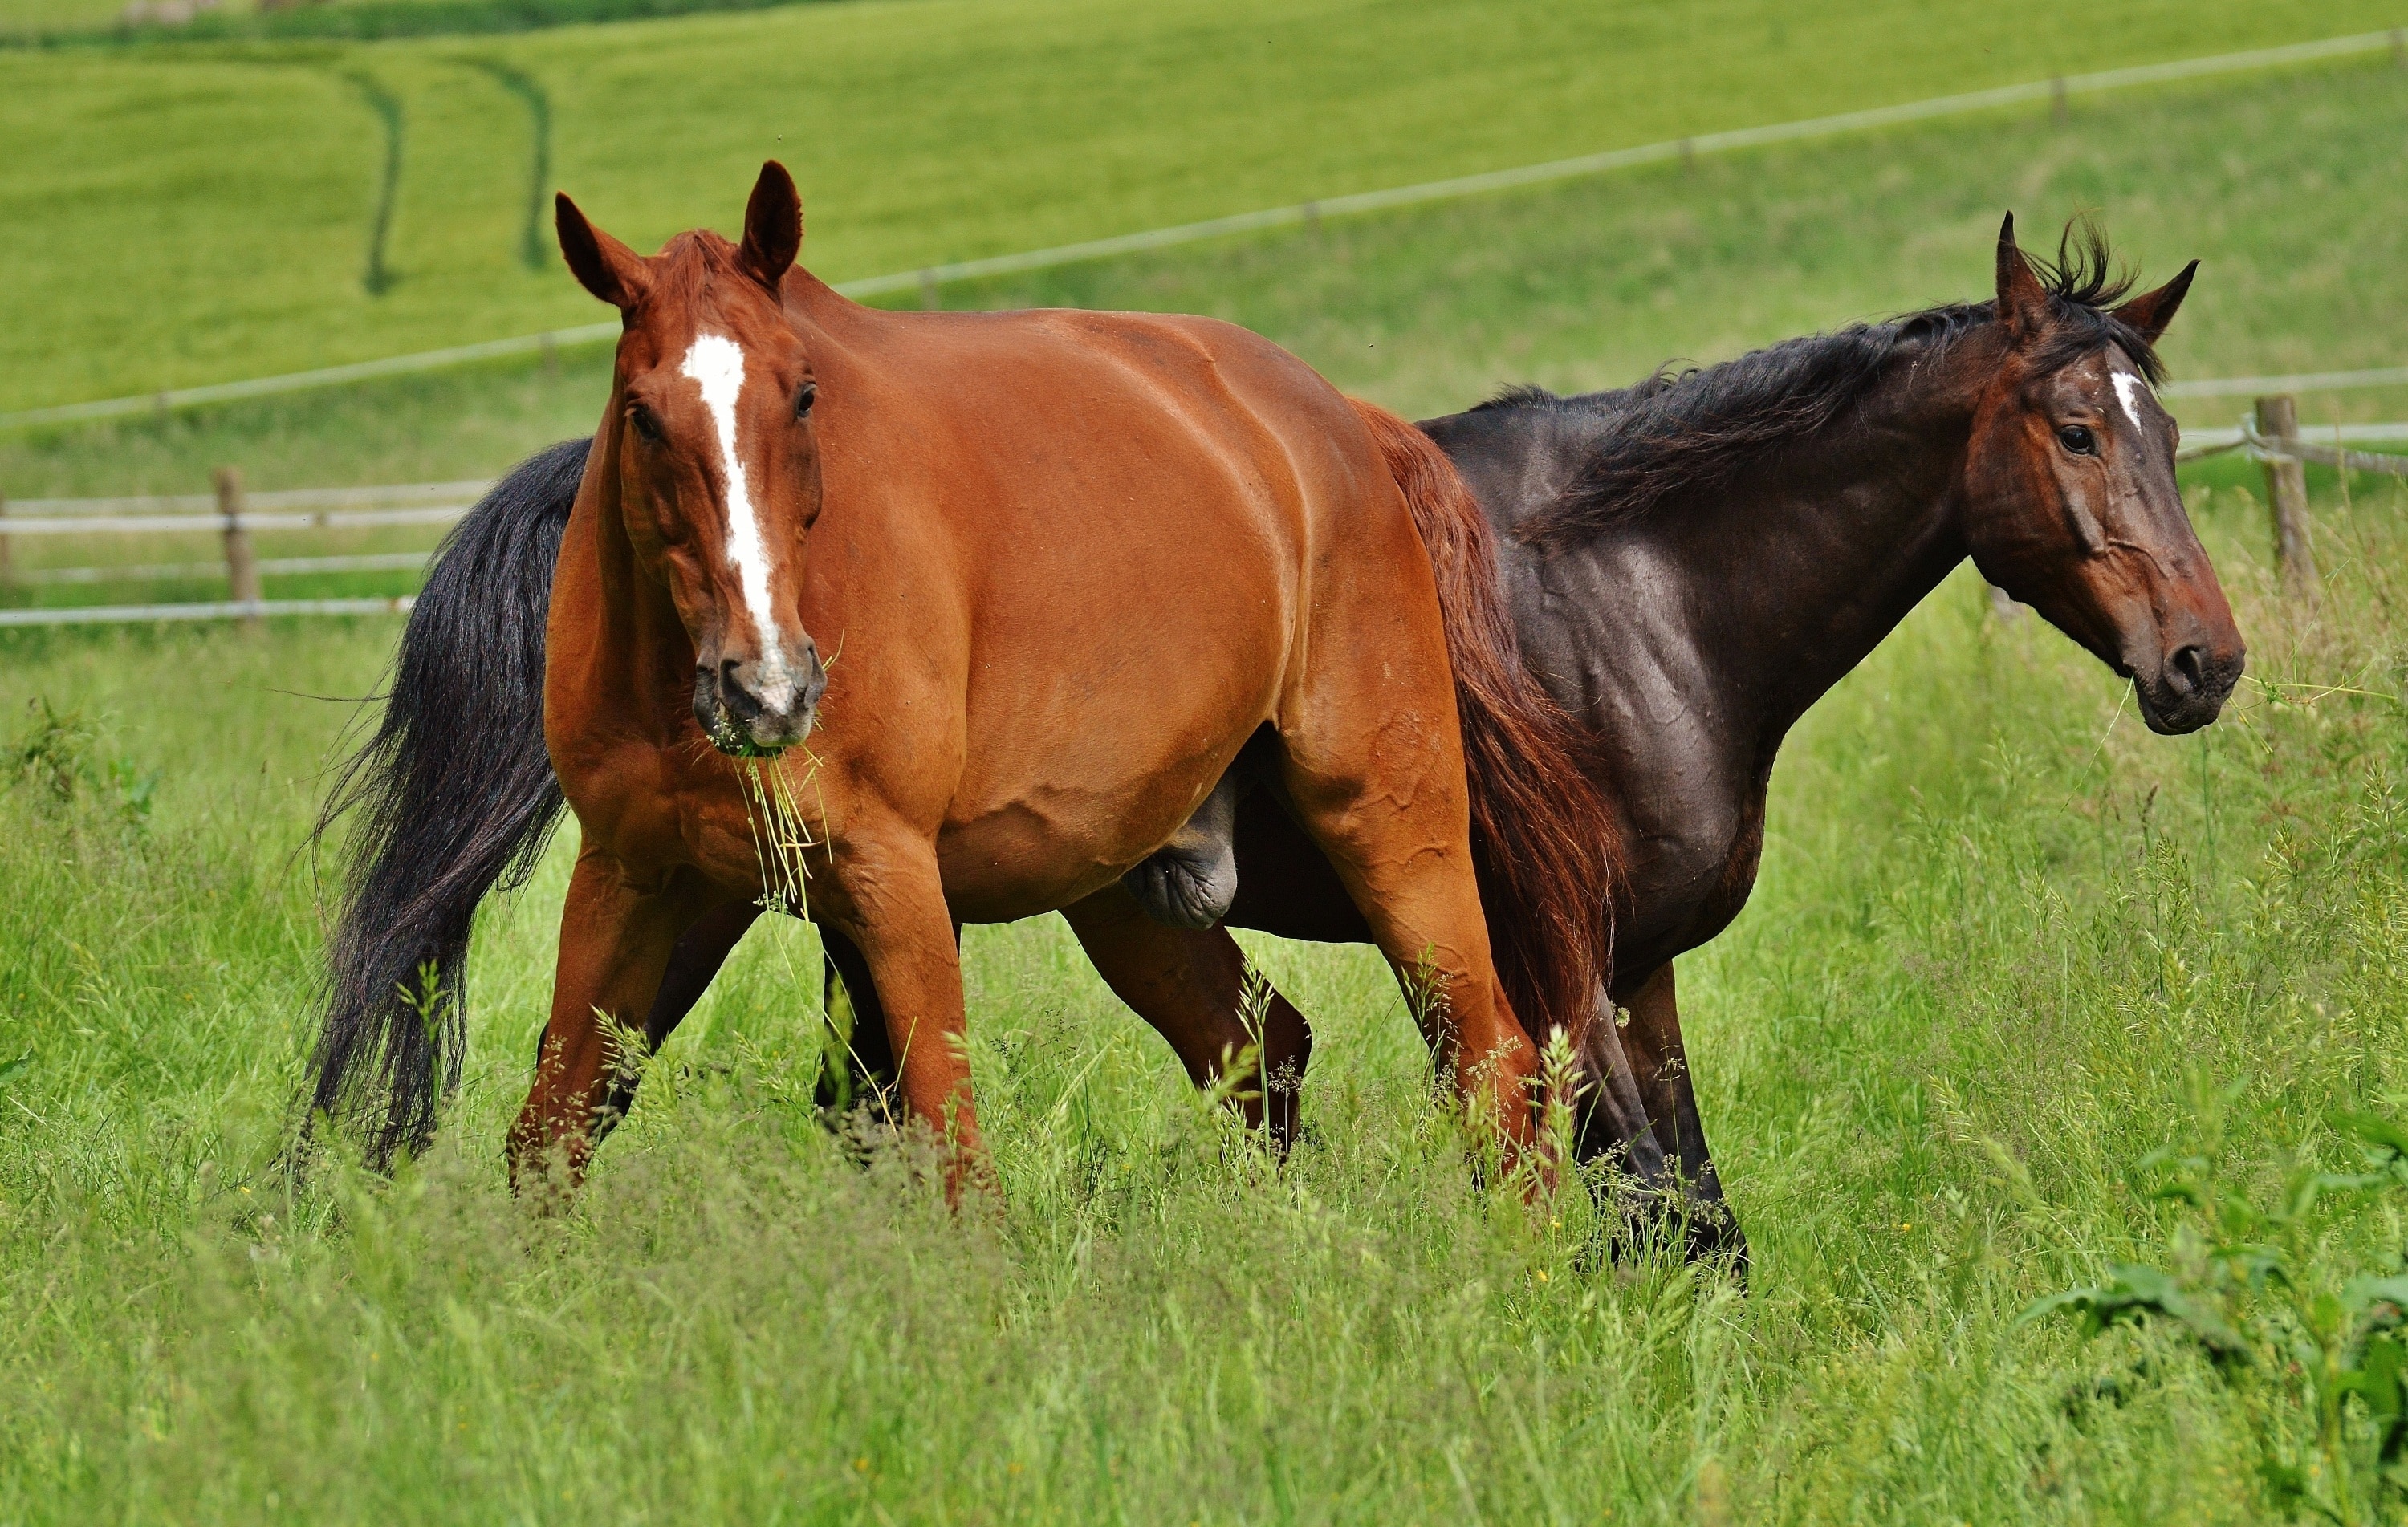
[2069, 498]
[711, 431]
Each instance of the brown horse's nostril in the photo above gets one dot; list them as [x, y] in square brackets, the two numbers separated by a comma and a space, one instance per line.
[735, 693]
[815, 685]
[2187, 670]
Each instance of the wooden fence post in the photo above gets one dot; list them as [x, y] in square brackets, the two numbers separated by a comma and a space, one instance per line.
[242, 565]
[2287, 492]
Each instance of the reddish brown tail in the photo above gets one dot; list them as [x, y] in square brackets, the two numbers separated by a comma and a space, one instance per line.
[1545, 844]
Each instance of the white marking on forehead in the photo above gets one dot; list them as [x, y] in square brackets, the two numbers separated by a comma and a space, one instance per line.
[716, 363]
[2126, 383]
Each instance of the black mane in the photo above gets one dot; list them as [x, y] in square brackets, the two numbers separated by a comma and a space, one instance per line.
[1699, 426]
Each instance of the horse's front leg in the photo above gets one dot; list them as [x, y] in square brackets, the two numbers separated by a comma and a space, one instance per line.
[616, 937]
[888, 902]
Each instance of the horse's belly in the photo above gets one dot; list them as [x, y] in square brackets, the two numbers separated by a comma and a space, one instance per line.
[1044, 848]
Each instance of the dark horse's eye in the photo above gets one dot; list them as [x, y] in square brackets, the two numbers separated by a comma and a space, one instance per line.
[2078, 440]
[803, 399]
[646, 422]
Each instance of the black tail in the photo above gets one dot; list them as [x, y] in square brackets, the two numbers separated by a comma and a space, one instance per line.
[454, 795]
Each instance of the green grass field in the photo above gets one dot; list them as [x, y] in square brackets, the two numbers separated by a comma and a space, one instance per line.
[2000, 930]
[2003, 942]
[186, 214]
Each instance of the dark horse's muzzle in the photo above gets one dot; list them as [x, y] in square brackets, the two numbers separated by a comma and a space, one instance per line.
[759, 704]
[2189, 684]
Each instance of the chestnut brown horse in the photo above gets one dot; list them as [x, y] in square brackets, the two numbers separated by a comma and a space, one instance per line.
[1692, 563]
[1075, 564]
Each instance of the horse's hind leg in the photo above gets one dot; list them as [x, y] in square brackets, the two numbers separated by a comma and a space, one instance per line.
[1190, 984]
[617, 937]
[1378, 782]
[1654, 1041]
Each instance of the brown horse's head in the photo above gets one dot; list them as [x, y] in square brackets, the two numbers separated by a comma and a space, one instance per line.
[718, 469]
[2070, 494]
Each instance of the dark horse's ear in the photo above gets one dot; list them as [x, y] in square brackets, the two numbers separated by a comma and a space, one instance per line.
[2023, 302]
[603, 266]
[773, 225]
[2151, 311]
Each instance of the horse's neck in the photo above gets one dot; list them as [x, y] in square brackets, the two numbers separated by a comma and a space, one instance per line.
[1777, 581]
[1800, 565]
[640, 648]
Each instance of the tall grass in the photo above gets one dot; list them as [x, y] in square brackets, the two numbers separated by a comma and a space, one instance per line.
[2000, 932]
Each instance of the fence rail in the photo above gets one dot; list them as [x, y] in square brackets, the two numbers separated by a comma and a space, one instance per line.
[205, 524]
[231, 609]
[2271, 436]
[232, 515]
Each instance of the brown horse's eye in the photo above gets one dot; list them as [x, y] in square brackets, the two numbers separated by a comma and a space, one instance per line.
[2078, 440]
[646, 422]
[804, 398]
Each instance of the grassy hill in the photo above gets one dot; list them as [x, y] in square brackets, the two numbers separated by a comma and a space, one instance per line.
[187, 213]
[2266, 180]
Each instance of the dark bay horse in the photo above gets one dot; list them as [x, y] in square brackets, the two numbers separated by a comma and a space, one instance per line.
[1076, 565]
[1692, 563]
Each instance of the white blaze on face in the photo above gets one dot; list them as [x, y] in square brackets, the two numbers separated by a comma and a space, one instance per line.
[716, 363]
[2126, 383]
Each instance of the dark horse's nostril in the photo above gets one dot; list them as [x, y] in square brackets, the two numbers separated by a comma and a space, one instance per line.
[2187, 670]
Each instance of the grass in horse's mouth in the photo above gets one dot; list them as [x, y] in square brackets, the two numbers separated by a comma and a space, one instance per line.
[780, 832]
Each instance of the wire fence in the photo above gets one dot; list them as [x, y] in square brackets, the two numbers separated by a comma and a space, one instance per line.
[230, 516]
[2270, 436]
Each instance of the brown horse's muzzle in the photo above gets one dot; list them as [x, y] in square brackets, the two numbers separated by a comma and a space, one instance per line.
[761, 702]
[2185, 687]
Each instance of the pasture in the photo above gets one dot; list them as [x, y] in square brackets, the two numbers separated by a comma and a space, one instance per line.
[190, 213]
[2005, 943]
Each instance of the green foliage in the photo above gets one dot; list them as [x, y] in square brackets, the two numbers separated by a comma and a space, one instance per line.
[2320, 1348]
[55, 756]
[1997, 928]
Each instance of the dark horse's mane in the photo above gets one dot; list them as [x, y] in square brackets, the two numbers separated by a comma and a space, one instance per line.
[1697, 427]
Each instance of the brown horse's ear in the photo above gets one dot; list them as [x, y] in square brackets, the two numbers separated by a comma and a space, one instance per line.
[2023, 302]
[773, 225]
[603, 266]
[2151, 311]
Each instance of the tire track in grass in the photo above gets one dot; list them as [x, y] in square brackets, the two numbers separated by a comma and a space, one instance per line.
[380, 277]
[535, 250]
